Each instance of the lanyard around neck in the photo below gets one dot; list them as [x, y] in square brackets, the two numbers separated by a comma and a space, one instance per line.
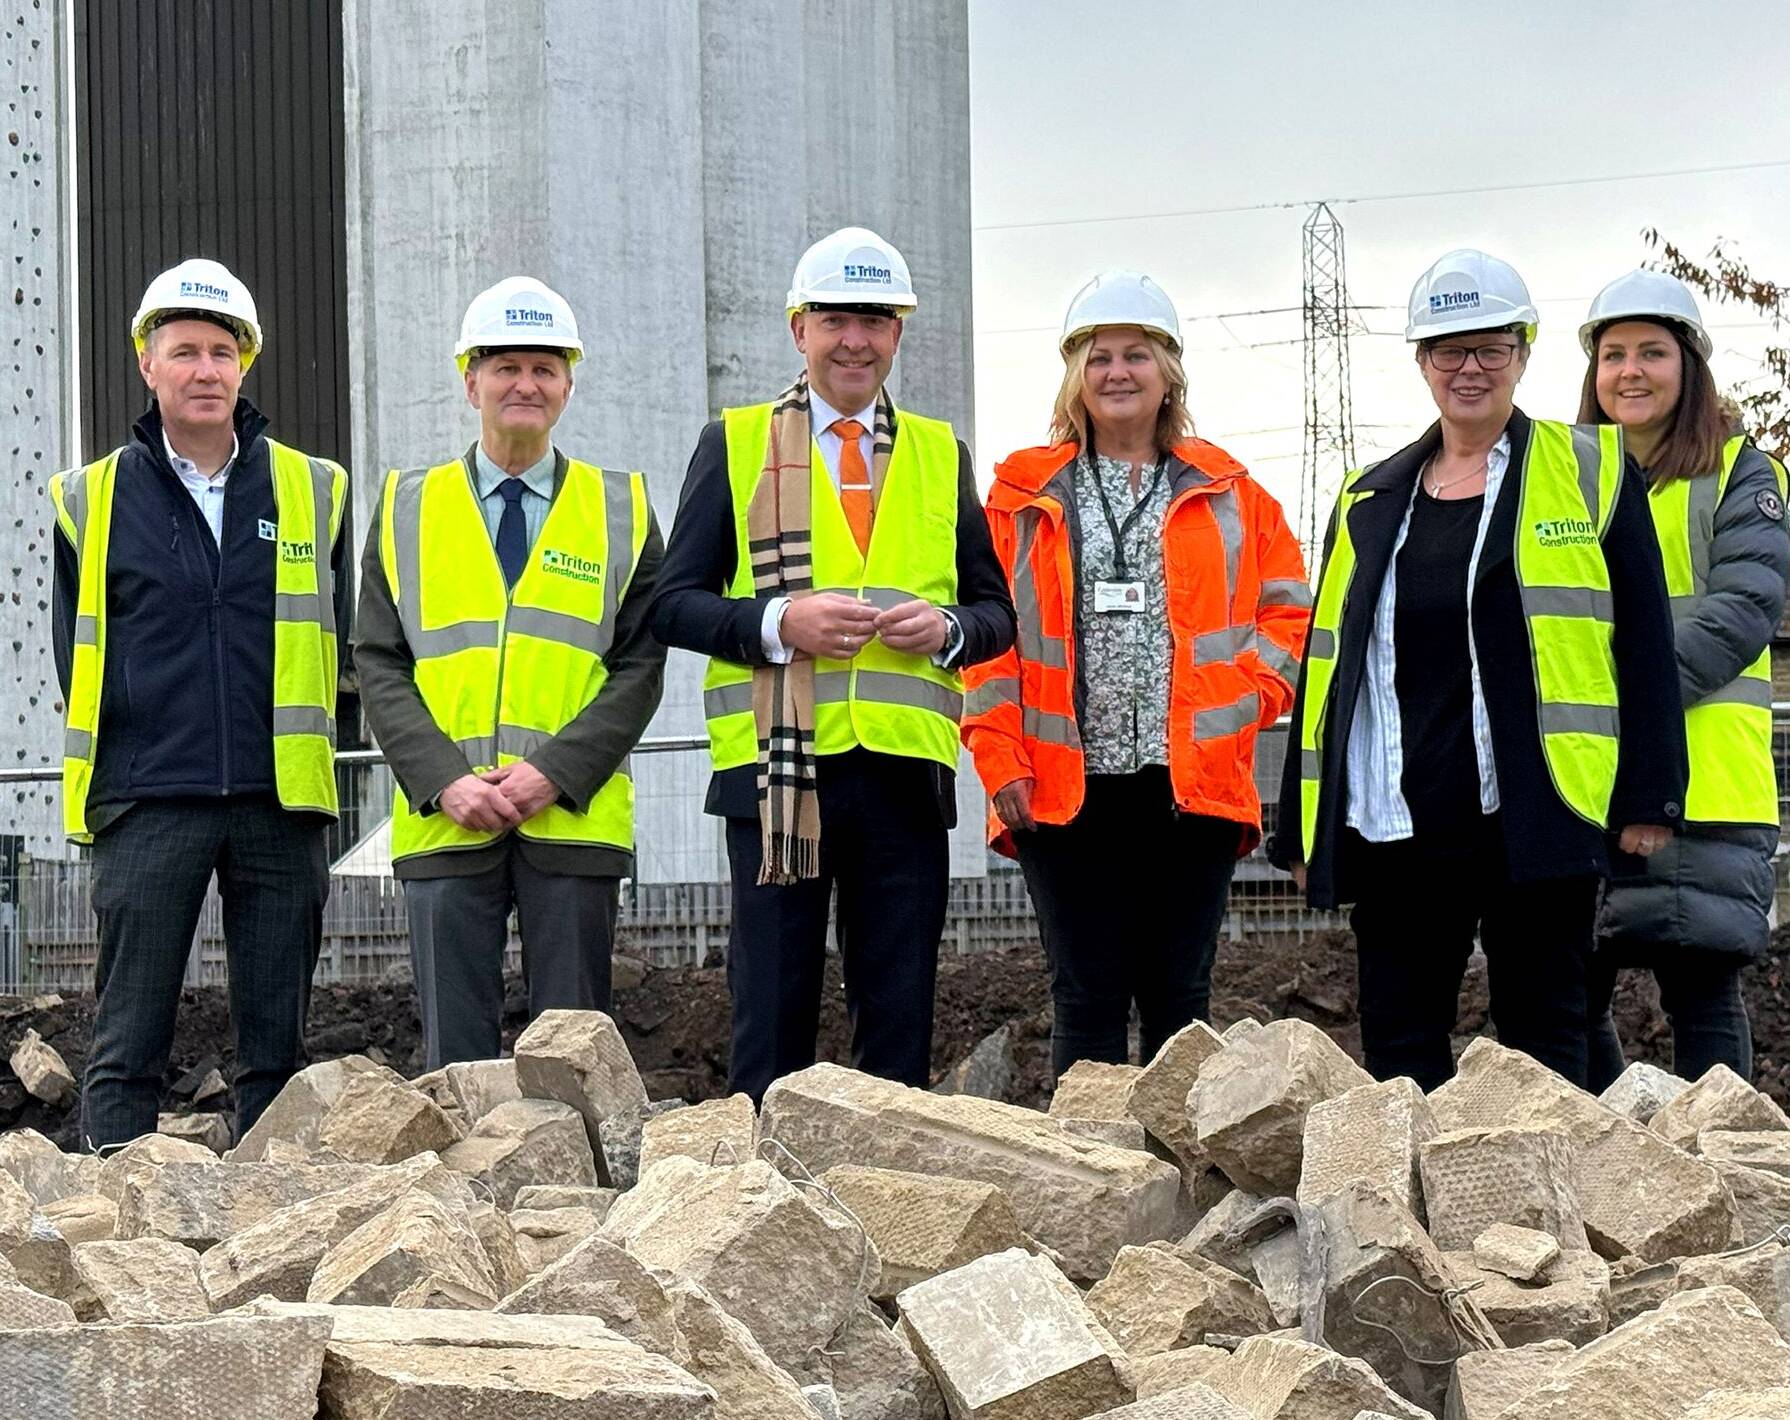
[1121, 531]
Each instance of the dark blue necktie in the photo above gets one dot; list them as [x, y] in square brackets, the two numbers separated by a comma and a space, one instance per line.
[512, 531]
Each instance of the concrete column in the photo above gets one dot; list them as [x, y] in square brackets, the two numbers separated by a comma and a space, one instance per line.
[35, 355]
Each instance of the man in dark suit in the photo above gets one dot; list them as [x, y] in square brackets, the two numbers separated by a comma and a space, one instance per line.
[831, 558]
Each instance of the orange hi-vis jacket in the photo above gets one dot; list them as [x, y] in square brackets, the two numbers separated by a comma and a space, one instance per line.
[1238, 607]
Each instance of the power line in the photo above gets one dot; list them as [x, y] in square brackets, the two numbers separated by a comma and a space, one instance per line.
[1390, 196]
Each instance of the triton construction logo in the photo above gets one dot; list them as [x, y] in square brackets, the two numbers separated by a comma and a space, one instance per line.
[204, 290]
[297, 551]
[863, 271]
[565, 564]
[1565, 532]
[528, 316]
[1444, 303]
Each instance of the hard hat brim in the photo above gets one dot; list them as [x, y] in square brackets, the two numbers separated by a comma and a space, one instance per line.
[1698, 337]
[1469, 325]
[1169, 337]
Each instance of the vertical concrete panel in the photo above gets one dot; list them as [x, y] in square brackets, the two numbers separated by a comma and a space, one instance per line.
[34, 400]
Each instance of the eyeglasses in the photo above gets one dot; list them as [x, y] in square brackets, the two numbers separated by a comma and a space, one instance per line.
[1449, 358]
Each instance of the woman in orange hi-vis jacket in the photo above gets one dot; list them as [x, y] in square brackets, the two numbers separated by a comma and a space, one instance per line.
[1162, 609]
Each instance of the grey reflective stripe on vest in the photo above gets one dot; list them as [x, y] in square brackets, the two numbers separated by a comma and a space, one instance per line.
[884, 598]
[1585, 603]
[1048, 728]
[86, 631]
[1311, 764]
[1278, 659]
[991, 695]
[1704, 494]
[618, 518]
[322, 489]
[893, 688]
[303, 720]
[1587, 449]
[1227, 719]
[407, 540]
[733, 699]
[301, 606]
[1286, 591]
[1230, 529]
[1034, 645]
[74, 498]
[1563, 718]
[478, 749]
[1216, 647]
[77, 744]
[1742, 690]
[1321, 644]
[562, 629]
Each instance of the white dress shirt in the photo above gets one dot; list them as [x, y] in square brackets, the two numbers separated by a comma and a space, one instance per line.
[1376, 756]
[821, 418]
[208, 492]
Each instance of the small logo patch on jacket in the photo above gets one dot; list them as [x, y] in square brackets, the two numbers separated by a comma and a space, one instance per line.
[297, 551]
[269, 531]
[566, 564]
[1566, 532]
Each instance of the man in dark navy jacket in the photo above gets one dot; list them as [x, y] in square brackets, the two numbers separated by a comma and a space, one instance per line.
[179, 765]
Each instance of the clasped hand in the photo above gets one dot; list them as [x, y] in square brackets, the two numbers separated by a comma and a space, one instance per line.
[498, 799]
[836, 626]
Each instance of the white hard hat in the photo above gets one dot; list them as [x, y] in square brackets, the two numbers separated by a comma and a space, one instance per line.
[210, 290]
[852, 267]
[1651, 294]
[519, 312]
[1467, 290]
[1121, 298]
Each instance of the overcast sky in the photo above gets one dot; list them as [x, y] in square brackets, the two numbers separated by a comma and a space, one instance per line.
[1093, 112]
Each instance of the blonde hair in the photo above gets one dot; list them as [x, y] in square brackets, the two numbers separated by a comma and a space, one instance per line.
[1069, 416]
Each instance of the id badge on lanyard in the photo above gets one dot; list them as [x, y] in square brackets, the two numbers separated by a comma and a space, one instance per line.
[1120, 594]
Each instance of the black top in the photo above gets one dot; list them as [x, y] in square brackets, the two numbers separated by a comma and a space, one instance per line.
[1434, 676]
[691, 609]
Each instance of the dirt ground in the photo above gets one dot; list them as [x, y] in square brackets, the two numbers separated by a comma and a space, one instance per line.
[676, 1020]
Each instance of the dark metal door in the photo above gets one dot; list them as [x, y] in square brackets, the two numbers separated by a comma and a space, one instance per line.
[214, 128]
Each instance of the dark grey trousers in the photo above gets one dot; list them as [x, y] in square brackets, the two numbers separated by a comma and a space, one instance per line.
[150, 872]
[458, 927]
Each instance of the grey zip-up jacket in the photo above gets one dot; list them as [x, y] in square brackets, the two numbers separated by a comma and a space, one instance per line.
[1710, 887]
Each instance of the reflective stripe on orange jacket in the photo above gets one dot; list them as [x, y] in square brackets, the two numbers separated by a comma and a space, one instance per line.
[1238, 606]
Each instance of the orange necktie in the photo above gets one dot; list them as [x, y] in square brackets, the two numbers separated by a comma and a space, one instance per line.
[854, 481]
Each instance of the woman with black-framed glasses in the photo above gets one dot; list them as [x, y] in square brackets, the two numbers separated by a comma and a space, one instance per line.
[1480, 700]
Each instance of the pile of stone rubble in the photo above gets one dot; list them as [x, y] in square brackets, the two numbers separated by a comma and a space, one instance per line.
[1249, 1228]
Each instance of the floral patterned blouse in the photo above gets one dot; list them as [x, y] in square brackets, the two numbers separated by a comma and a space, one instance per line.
[1125, 657]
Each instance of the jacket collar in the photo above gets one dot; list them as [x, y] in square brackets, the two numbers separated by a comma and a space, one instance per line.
[250, 423]
[1193, 462]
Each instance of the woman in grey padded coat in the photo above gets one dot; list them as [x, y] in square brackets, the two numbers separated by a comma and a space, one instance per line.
[1695, 912]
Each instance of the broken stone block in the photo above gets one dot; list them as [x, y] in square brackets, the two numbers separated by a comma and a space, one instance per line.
[1094, 1089]
[212, 1087]
[1523, 1175]
[148, 1152]
[1521, 1254]
[544, 1235]
[378, 1121]
[1637, 1287]
[83, 1217]
[791, 1271]
[1156, 1300]
[498, 1238]
[621, 1134]
[1764, 1149]
[40, 1168]
[723, 1354]
[479, 1086]
[1771, 1404]
[1661, 1363]
[986, 1072]
[718, 1131]
[1250, 1101]
[523, 1142]
[924, 1224]
[1120, 1133]
[1211, 1236]
[1277, 1378]
[823, 1400]
[1371, 1133]
[1570, 1301]
[40, 1256]
[278, 1255]
[221, 1368]
[1486, 1384]
[1278, 1261]
[433, 1293]
[1762, 1275]
[146, 1280]
[1382, 1268]
[1642, 1091]
[1158, 1096]
[201, 1204]
[1194, 1402]
[416, 1237]
[41, 1070]
[1168, 1371]
[1719, 1100]
[599, 1279]
[874, 1374]
[1058, 1366]
[210, 1132]
[22, 1309]
[579, 1059]
[547, 1196]
[296, 1113]
[1761, 1202]
[1083, 1199]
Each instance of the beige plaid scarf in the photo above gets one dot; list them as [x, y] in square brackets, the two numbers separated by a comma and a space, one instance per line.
[778, 536]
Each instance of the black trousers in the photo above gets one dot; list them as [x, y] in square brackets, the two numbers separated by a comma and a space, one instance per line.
[883, 846]
[1419, 904]
[150, 871]
[1130, 895]
[458, 928]
[1701, 996]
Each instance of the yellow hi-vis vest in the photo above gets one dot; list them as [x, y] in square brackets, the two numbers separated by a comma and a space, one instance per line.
[309, 495]
[1572, 474]
[1728, 732]
[505, 670]
[884, 700]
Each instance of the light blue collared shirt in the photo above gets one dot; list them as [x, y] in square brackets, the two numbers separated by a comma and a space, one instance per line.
[537, 497]
[208, 493]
